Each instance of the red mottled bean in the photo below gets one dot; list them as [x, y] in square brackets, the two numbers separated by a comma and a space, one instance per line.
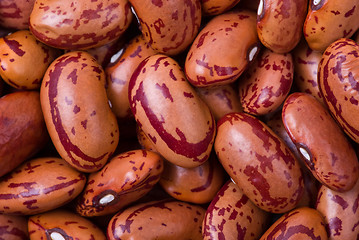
[195, 185]
[169, 111]
[23, 131]
[223, 49]
[216, 7]
[75, 104]
[63, 225]
[328, 21]
[15, 14]
[19, 53]
[340, 211]
[168, 26]
[231, 215]
[301, 223]
[259, 162]
[120, 71]
[306, 63]
[221, 100]
[79, 24]
[126, 178]
[266, 84]
[323, 146]
[39, 185]
[311, 184]
[338, 80]
[280, 23]
[158, 220]
[13, 227]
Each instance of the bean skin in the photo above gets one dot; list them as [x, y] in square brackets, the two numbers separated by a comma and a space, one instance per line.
[22, 129]
[267, 82]
[15, 14]
[139, 221]
[231, 215]
[328, 21]
[324, 147]
[306, 63]
[280, 23]
[216, 7]
[62, 224]
[79, 24]
[39, 185]
[234, 33]
[168, 26]
[20, 52]
[301, 223]
[125, 179]
[340, 211]
[195, 185]
[259, 162]
[72, 118]
[119, 74]
[170, 113]
[13, 227]
[337, 74]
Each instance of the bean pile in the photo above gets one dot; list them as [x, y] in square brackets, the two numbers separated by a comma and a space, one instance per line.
[182, 119]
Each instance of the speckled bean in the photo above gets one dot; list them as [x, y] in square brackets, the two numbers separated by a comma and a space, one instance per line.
[280, 23]
[337, 78]
[79, 24]
[306, 63]
[195, 185]
[340, 211]
[120, 71]
[168, 26]
[221, 100]
[20, 52]
[169, 111]
[223, 49]
[158, 220]
[39, 185]
[15, 14]
[63, 225]
[126, 178]
[301, 223]
[75, 104]
[328, 21]
[266, 84]
[259, 162]
[13, 227]
[323, 146]
[231, 215]
[216, 7]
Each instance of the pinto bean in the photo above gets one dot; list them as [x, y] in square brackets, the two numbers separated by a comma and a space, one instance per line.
[231, 215]
[158, 220]
[75, 104]
[169, 111]
[79, 24]
[223, 49]
[337, 78]
[280, 23]
[125, 179]
[328, 21]
[15, 14]
[13, 227]
[39, 185]
[259, 162]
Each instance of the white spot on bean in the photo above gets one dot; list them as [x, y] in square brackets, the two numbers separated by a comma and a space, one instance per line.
[260, 7]
[252, 53]
[106, 199]
[57, 236]
[316, 2]
[304, 153]
[116, 56]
